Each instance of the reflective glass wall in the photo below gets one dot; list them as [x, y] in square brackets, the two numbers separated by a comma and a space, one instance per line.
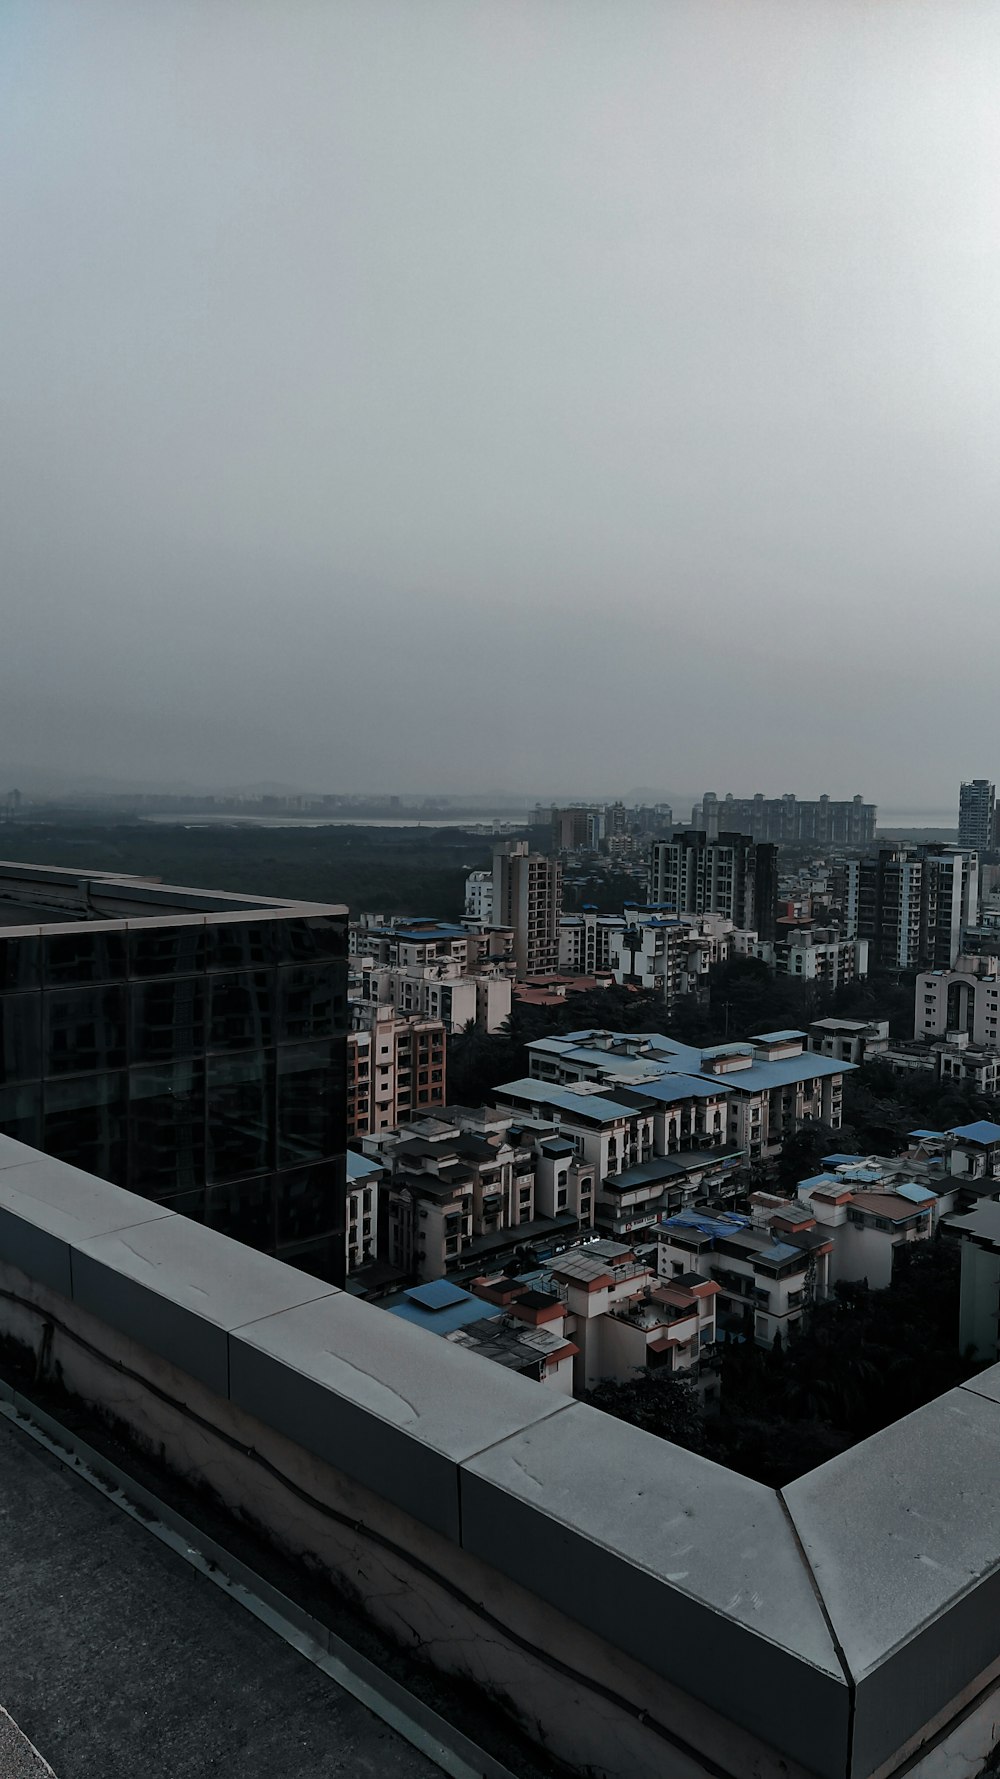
[200, 1063]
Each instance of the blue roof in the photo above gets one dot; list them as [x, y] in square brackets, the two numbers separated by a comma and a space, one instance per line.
[439, 1294]
[926, 1133]
[360, 1167]
[916, 1194]
[842, 1160]
[777, 1037]
[819, 1180]
[575, 1105]
[437, 930]
[461, 1307]
[980, 1131]
[679, 1087]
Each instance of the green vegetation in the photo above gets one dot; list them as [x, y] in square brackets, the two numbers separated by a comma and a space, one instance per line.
[388, 870]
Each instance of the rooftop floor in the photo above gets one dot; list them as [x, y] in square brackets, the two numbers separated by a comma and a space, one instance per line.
[118, 1659]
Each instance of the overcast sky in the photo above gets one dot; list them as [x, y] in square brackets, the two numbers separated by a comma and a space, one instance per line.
[549, 394]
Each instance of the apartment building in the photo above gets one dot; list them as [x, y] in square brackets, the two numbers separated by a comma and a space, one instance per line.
[977, 815]
[585, 941]
[396, 1070]
[651, 1149]
[479, 898]
[849, 1040]
[913, 904]
[625, 1321]
[768, 1277]
[468, 1189]
[964, 999]
[431, 970]
[527, 897]
[873, 1208]
[728, 874]
[364, 1179]
[768, 1086]
[789, 820]
[808, 954]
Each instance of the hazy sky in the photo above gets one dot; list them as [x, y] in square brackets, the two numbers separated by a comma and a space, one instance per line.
[558, 394]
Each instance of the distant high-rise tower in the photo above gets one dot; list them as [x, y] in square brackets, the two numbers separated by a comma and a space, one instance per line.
[976, 804]
[527, 896]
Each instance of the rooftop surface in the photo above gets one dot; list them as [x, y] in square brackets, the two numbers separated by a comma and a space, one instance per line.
[36, 897]
[118, 1659]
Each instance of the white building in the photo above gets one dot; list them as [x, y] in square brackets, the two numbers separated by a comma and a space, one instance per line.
[964, 999]
[849, 1040]
[364, 1178]
[979, 1232]
[809, 954]
[769, 1085]
[479, 898]
[872, 1207]
[431, 970]
[768, 1277]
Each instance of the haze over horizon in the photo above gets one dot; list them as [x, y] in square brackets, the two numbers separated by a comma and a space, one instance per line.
[506, 393]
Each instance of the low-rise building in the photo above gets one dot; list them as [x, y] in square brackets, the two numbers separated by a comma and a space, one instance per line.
[768, 1277]
[525, 1330]
[460, 1191]
[849, 1040]
[769, 1085]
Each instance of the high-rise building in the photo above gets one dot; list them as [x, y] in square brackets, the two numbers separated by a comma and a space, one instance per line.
[787, 820]
[976, 814]
[913, 904]
[527, 897]
[187, 1044]
[729, 875]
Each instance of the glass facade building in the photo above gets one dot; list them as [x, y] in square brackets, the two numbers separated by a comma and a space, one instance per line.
[186, 1044]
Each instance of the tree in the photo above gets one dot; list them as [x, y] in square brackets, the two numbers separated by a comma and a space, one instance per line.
[658, 1403]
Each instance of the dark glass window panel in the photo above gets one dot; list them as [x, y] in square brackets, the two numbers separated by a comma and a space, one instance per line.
[240, 1124]
[310, 1201]
[87, 955]
[308, 999]
[167, 1128]
[84, 1030]
[20, 1037]
[168, 1017]
[166, 951]
[20, 1112]
[20, 962]
[240, 1016]
[245, 1210]
[84, 1123]
[240, 945]
[312, 938]
[311, 1103]
[189, 1203]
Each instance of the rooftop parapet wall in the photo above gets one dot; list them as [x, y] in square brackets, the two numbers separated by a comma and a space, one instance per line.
[826, 1632]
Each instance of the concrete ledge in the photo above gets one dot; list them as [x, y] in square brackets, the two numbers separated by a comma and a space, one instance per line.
[842, 1628]
[903, 1536]
[47, 1207]
[691, 1569]
[392, 1406]
[178, 1288]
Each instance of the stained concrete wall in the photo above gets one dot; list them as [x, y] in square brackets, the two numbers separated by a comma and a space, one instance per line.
[638, 1608]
